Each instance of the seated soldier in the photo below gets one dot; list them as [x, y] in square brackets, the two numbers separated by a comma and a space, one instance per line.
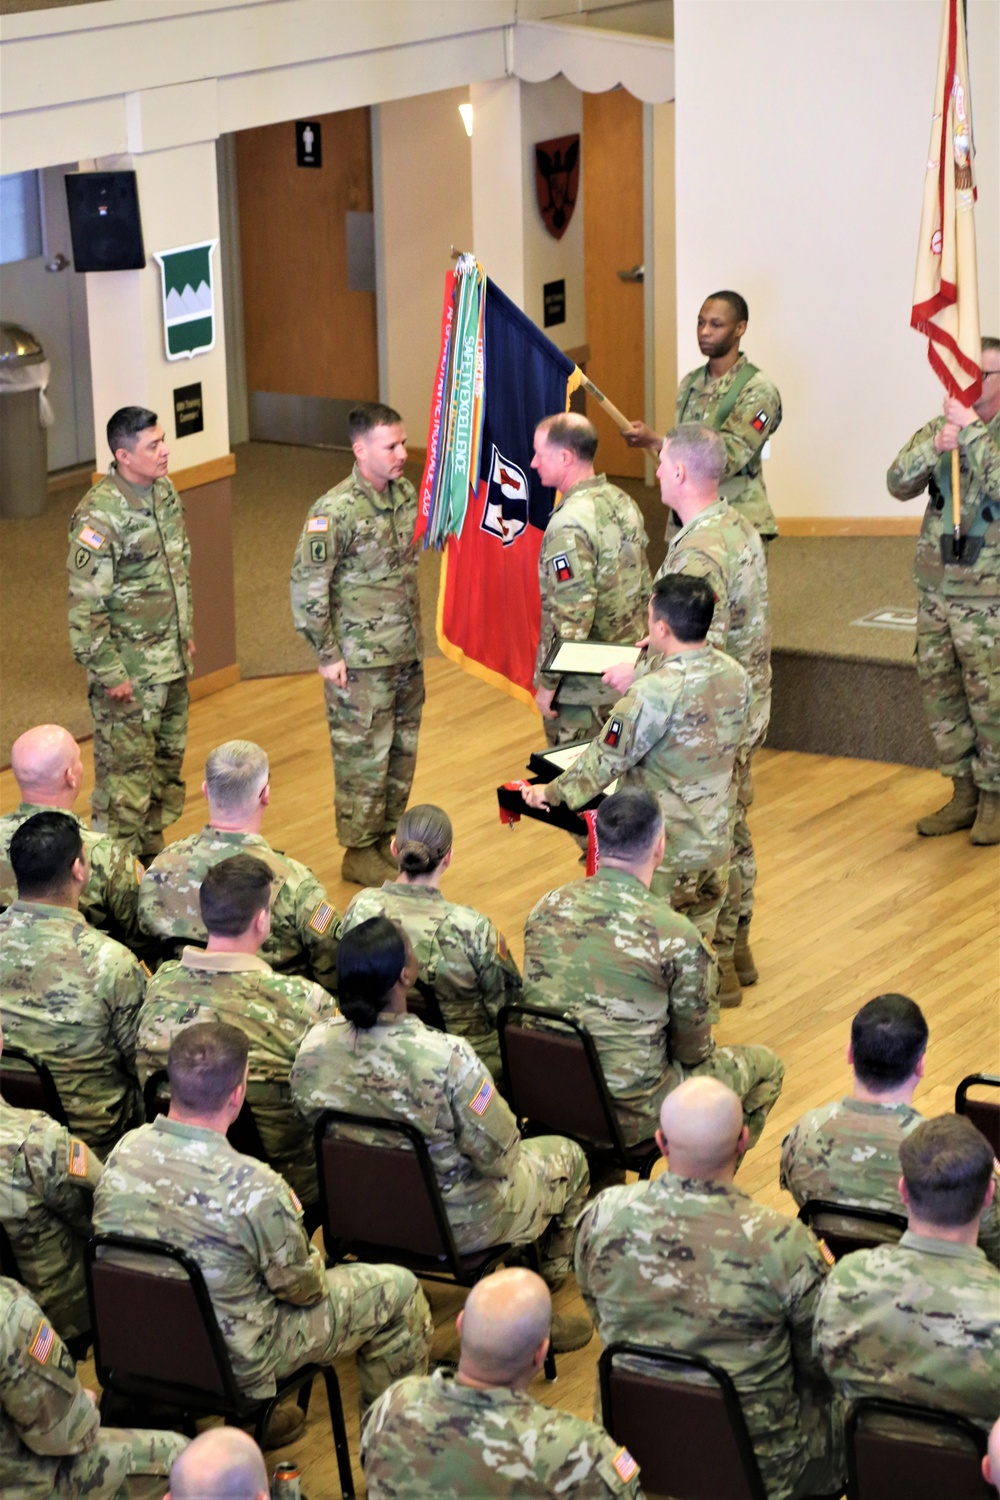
[179, 1179]
[221, 1463]
[920, 1321]
[689, 1262]
[375, 1059]
[229, 981]
[49, 771]
[479, 1432]
[47, 1179]
[639, 976]
[304, 925]
[848, 1152]
[991, 1459]
[460, 954]
[68, 994]
[51, 1439]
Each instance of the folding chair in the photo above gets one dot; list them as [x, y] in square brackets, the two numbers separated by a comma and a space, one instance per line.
[27, 1083]
[242, 1134]
[984, 1113]
[422, 1001]
[846, 1226]
[895, 1452]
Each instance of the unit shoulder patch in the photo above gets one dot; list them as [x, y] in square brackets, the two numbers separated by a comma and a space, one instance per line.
[317, 549]
[760, 421]
[613, 733]
[561, 568]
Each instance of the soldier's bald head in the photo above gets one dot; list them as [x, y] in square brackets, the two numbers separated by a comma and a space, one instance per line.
[220, 1464]
[40, 759]
[702, 1125]
[506, 1319]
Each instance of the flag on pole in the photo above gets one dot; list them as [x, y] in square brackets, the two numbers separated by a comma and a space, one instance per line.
[489, 609]
[946, 290]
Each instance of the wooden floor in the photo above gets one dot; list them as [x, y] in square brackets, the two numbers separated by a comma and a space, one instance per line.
[850, 903]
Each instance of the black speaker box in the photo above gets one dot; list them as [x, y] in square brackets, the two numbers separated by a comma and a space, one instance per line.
[104, 221]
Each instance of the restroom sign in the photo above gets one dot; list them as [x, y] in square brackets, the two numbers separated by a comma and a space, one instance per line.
[308, 143]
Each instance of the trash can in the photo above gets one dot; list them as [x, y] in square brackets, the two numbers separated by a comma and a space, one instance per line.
[24, 415]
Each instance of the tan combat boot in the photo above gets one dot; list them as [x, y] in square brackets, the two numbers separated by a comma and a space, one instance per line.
[960, 812]
[364, 867]
[986, 828]
[730, 992]
[746, 969]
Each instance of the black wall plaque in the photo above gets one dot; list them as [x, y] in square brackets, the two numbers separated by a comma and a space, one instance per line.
[189, 414]
[308, 143]
[554, 299]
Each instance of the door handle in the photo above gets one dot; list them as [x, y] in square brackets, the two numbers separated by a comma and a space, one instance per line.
[58, 263]
[637, 273]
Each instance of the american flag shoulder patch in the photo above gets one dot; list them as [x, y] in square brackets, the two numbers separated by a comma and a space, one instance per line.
[77, 1158]
[318, 523]
[827, 1253]
[502, 949]
[624, 1464]
[43, 1343]
[480, 1103]
[140, 870]
[91, 538]
[296, 1200]
[613, 733]
[321, 917]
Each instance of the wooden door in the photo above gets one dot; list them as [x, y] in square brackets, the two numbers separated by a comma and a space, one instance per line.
[613, 242]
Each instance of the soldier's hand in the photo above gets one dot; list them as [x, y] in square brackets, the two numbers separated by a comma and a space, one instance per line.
[946, 440]
[192, 649]
[620, 677]
[957, 414]
[638, 435]
[544, 697]
[335, 672]
[535, 796]
[122, 693]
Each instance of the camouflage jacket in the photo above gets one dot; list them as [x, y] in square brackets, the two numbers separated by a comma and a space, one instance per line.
[700, 1267]
[755, 418]
[274, 1012]
[71, 997]
[47, 1177]
[849, 1152]
[593, 578]
[678, 733]
[918, 1321]
[460, 953]
[305, 927]
[639, 976]
[431, 1436]
[722, 547]
[354, 578]
[110, 899]
[404, 1070]
[238, 1219]
[129, 584]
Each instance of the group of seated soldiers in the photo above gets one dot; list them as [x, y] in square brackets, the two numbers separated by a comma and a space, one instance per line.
[260, 992]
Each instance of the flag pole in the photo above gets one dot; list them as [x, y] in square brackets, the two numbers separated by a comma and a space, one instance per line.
[616, 416]
[956, 499]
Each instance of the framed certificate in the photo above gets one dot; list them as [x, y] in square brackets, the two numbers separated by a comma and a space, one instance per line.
[588, 658]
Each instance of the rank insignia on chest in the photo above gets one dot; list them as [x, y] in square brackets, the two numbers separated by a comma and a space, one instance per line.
[613, 733]
[321, 917]
[317, 549]
[318, 523]
[480, 1103]
[77, 1158]
[561, 568]
[43, 1343]
[625, 1465]
[760, 421]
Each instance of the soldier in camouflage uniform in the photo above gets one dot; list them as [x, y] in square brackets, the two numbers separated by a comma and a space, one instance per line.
[848, 1152]
[592, 574]
[734, 398]
[461, 955]
[231, 982]
[46, 763]
[69, 995]
[130, 625]
[355, 600]
[679, 732]
[639, 976]
[480, 1433]
[920, 1321]
[375, 1059]
[958, 616]
[305, 926]
[52, 1444]
[276, 1305]
[689, 1262]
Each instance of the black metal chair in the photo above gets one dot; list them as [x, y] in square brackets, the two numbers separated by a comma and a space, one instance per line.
[984, 1113]
[157, 1340]
[27, 1083]
[895, 1452]
[681, 1421]
[422, 1001]
[380, 1201]
[844, 1227]
[242, 1134]
[555, 1082]
[8, 1260]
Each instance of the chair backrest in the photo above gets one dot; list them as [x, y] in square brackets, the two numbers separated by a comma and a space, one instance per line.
[422, 1001]
[680, 1418]
[153, 1319]
[381, 1192]
[896, 1451]
[26, 1082]
[8, 1260]
[984, 1113]
[554, 1076]
[844, 1227]
[242, 1134]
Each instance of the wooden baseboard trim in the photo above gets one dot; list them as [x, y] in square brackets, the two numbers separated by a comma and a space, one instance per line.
[213, 682]
[67, 479]
[198, 474]
[849, 525]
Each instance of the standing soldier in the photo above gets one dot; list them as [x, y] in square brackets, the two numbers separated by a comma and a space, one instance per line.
[592, 574]
[130, 626]
[958, 618]
[355, 600]
[732, 396]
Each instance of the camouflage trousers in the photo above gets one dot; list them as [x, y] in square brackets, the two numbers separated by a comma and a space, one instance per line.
[138, 754]
[378, 1311]
[52, 1270]
[958, 663]
[122, 1465]
[546, 1198]
[286, 1140]
[737, 905]
[374, 722]
[696, 894]
[754, 1073]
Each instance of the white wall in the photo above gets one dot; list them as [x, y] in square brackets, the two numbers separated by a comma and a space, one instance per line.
[550, 110]
[802, 133]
